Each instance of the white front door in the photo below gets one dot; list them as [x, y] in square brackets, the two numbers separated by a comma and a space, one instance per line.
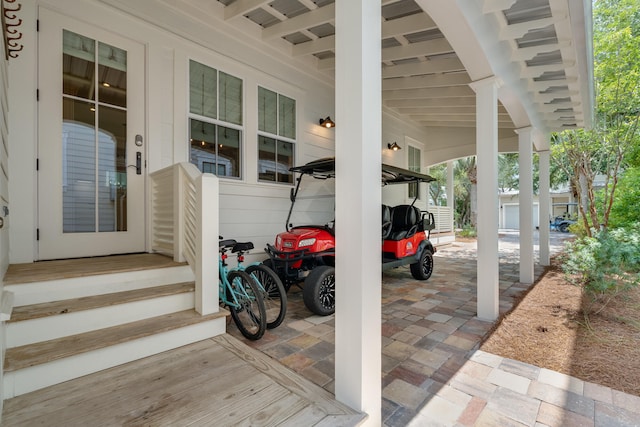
[91, 144]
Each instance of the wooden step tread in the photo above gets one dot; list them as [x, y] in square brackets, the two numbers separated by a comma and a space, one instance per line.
[82, 267]
[39, 353]
[36, 311]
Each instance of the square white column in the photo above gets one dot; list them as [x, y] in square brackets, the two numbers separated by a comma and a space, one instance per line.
[545, 200]
[525, 164]
[488, 207]
[358, 199]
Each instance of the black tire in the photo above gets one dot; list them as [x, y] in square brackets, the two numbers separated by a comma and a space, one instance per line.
[251, 316]
[422, 269]
[564, 227]
[274, 295]
[319, 292]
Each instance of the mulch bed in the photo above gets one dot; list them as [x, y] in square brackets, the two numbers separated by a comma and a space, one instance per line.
[547, 328]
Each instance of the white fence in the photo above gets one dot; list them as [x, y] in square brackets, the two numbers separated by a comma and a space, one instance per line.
[443, 216]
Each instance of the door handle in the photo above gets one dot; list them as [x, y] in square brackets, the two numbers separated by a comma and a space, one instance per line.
[138, 163]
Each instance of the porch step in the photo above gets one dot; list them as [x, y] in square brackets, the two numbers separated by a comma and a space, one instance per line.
[51, 320]
[75, 317]
[35, 366]
[57, 289]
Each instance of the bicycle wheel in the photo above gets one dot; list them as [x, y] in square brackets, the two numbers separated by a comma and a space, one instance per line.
[275, 297]
[249, 314]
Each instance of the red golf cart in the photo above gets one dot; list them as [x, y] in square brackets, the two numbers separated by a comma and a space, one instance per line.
[306, 253]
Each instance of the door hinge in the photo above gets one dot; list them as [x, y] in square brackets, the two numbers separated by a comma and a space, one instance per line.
[37, 25]
[37, 164]
[37, 234]
[37, 94]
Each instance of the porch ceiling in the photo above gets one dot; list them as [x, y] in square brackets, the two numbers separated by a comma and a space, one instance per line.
[543, 54]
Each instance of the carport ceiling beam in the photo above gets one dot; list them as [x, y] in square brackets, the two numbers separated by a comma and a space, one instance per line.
[241, 7]
[490, 6]
[431, 102]
[426, 67]
[527, 53]
[431, 80]
[516, 31]
[314, 46]
[305, 21]
[413, 50]
[539, 70]
[471, 124]
[503, 118]
[436, 92]
[407, 25]
[443, 110]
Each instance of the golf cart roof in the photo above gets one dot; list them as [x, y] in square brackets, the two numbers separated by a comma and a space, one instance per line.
[325, 168]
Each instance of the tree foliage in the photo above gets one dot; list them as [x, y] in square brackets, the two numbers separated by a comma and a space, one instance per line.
[608, 148]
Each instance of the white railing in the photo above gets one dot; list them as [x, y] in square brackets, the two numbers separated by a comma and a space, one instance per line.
[184, 212]
[443, 216]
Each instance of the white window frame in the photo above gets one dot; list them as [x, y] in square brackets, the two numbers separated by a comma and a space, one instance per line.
[276, 137]
[217, 122]
[414, 187]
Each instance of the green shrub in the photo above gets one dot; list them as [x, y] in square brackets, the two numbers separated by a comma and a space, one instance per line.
[604, 265]
[467, 231]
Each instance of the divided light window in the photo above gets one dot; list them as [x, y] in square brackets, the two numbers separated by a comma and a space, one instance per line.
[215, 121]
[414, 165]
[276, 136]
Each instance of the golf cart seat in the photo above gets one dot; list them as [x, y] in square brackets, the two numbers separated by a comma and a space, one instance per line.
[386, 221]
[405, 220]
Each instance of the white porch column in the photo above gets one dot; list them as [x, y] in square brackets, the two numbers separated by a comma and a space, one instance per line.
[487, 157]
[545, 198]
[450, 196]
[358, 199]
[525, 164]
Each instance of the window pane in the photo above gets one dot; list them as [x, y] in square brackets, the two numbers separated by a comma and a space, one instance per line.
[78, 65]
[228, 152]
[267, 111]
[287, 107]
[267, 165]
[203, 145]
[112, 75]
[230, 99]
[274, 160]
[285, 161]
[78, 166]
[112, 169]
[414, 165]
[202, 90]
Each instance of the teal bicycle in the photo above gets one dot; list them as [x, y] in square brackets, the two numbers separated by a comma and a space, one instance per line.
[240, 292]
[273, 292]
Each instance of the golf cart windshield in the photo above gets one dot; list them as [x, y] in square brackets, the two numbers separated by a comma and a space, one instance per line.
[325, 168]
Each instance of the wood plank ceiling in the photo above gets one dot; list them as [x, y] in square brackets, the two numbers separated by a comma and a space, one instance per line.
[423, 78]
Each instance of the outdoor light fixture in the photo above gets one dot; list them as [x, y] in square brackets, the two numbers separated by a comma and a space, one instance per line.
[394, 146]
[328, 123]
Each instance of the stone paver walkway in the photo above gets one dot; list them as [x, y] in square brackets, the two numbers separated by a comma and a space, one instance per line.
[432, 371]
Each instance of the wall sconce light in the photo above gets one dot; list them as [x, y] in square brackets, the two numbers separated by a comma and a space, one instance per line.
[394, 146]
[328, 123]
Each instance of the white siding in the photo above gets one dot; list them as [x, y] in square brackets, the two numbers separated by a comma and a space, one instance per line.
[249, 210]
[4, 194]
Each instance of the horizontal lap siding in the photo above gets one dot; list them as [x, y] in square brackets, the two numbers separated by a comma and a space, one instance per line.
[4, 164]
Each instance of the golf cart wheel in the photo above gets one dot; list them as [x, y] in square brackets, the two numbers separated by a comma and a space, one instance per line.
[564, 227]
[422, 269]
[319, 292]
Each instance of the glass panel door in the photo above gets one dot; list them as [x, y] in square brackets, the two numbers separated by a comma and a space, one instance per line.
[90, 184]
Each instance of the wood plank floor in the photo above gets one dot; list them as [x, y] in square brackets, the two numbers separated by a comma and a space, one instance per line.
[81, 267]
[219, 382]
